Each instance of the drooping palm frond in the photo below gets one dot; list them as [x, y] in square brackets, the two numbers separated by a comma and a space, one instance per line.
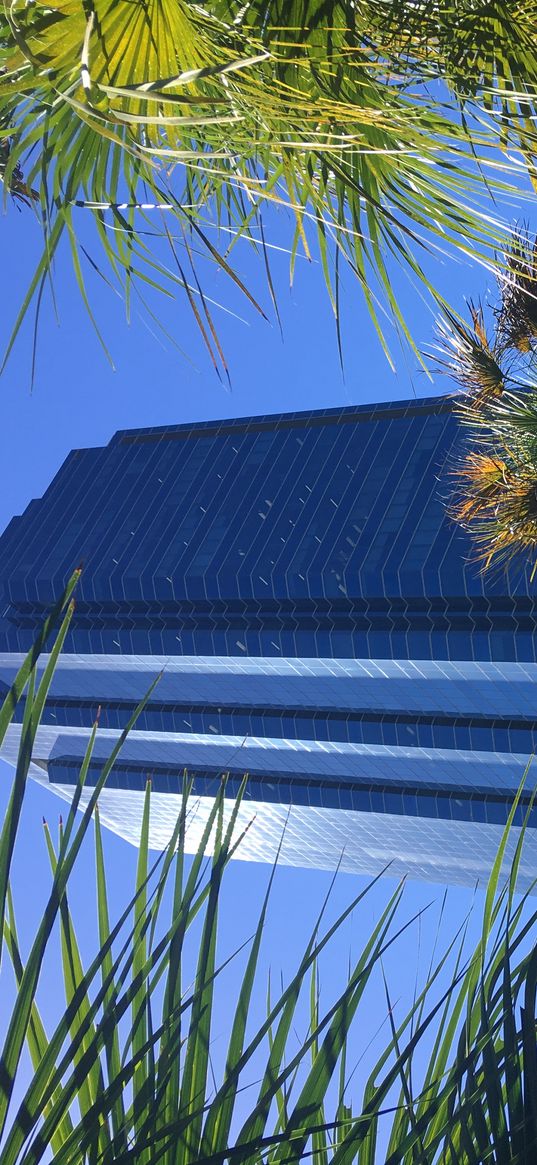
[485, 49]
[480, 52]
[215, 113]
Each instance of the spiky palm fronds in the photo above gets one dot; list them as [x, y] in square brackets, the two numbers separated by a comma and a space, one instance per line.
[469, 356]
[496, 501]
[495, 495]
[517, 316]
[484, 477]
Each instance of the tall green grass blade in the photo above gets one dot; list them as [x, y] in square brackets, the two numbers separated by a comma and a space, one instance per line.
[113, 1059]
[73, 974]
[139, 1014]
[19, 683]
[37, 1037]
[55, 1064]
[337, 1022]
[196, 1065]
[19, 1019]
[32, 714]
[217, 1126]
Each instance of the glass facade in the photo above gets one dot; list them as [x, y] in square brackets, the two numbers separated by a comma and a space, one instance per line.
[319, 621]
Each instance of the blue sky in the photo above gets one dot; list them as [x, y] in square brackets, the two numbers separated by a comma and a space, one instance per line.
[77, 400]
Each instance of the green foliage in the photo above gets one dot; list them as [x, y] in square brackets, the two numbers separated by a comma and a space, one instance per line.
[175, 121]
[484, 49]
[495, 496]
[126, 1074]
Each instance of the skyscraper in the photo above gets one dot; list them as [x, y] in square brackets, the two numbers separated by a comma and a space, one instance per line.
[320, 624]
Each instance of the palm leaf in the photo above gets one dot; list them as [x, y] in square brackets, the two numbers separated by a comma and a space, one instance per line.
[219, 114]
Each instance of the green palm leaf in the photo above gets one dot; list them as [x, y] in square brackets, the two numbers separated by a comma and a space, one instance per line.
[209, 117]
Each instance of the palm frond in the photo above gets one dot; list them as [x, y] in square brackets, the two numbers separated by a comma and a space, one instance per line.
[497, 502]
[495, 470]
[485, 50]
[219, 113]
[469, 356]
[517, 315]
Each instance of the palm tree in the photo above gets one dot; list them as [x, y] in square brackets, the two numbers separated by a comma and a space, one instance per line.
[370, 124]
[495, 496]
[125, 1074]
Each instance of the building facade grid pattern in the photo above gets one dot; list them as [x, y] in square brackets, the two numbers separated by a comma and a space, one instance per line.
[319, 619]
